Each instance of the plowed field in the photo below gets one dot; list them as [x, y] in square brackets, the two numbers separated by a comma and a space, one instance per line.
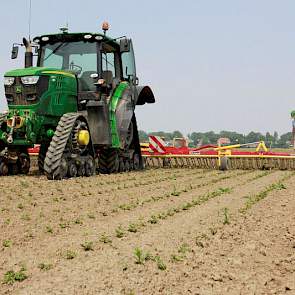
[177, 231]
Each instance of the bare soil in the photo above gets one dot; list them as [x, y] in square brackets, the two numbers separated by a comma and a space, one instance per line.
[193, 232]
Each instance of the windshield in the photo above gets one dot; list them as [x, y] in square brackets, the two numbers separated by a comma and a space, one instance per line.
[79, 57]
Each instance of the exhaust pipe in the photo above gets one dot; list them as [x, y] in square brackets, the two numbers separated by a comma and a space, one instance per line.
[28, 54]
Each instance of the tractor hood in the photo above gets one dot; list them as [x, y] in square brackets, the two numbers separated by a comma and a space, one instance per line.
[36, 71]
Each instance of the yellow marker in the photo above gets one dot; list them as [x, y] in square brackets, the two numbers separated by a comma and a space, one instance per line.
[83, 137]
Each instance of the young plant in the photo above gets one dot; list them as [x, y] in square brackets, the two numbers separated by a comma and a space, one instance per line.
[153, 219]
[133, 227]
[160, 263]
[78, 221]
[11, 276]
[176, 258]
[120, 232]
[175, 193]
[7, 243]
[225, 216]
[141, 257]
[45, 266]
[87, 246]
[49, 229]
[69, 254]
[105, 239]
[184, 248]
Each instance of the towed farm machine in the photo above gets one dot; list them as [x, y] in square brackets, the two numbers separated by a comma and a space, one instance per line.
[78, 103]
[158, 154]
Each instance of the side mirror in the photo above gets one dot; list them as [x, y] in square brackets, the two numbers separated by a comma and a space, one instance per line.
[125, 45]
[14, 52]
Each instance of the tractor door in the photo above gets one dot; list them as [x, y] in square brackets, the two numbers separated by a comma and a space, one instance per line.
[128, 66]
[126, 105]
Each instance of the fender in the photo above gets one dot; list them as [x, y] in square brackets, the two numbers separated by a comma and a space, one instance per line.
[144, 95]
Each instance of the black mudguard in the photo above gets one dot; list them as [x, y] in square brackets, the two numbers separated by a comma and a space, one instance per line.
[144, 95]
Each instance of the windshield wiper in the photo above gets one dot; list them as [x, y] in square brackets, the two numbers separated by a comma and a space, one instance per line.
[57, 48]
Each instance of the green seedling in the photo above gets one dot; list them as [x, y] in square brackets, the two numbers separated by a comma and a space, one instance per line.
[64, 225]
[184, 248]
[120, 232]
[153, 219]
[69, 254]
[175, 193]
[105, 239]
[87, 246]
[141, 257]
[160, 263]
[226, 216]
[45, 266]
[49, 229]
[11, 276]
[78, 221]
[133, 227]
[176, 258]
[7, 243]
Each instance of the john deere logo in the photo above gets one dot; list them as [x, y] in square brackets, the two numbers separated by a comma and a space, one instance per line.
[18, 89]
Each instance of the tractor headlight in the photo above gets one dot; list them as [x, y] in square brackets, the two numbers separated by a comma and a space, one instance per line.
[30, 80]
[8, 81]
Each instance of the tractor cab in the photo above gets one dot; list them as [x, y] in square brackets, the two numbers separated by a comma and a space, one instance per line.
[98, 62]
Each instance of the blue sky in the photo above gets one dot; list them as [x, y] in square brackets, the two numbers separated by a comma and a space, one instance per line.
[213, 65]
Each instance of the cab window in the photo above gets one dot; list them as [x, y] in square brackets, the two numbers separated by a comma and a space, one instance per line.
[128, 64]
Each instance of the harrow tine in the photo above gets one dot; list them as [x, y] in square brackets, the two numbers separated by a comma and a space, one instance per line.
[211, 162]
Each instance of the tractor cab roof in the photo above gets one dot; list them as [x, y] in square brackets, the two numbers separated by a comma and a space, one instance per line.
[74, 37]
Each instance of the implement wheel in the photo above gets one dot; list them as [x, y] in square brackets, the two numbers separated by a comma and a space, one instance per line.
[23, 163]
[3, 169]
[224, 164]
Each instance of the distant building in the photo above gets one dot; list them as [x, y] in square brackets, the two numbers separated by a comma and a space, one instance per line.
[223, 141]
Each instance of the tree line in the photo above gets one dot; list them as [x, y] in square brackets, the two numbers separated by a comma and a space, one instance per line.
[200, 138]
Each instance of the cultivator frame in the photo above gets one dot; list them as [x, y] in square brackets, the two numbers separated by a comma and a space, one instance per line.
[244, 162]
[216, 157]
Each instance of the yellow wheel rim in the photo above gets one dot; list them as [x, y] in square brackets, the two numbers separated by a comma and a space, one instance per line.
[83, 137]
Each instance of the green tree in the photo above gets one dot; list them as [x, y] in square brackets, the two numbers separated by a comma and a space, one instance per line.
[143, 136]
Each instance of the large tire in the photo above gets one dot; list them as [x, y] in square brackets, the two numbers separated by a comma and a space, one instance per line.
[108, 161]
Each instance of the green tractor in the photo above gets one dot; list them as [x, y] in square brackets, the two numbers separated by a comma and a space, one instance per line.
[78, 103]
